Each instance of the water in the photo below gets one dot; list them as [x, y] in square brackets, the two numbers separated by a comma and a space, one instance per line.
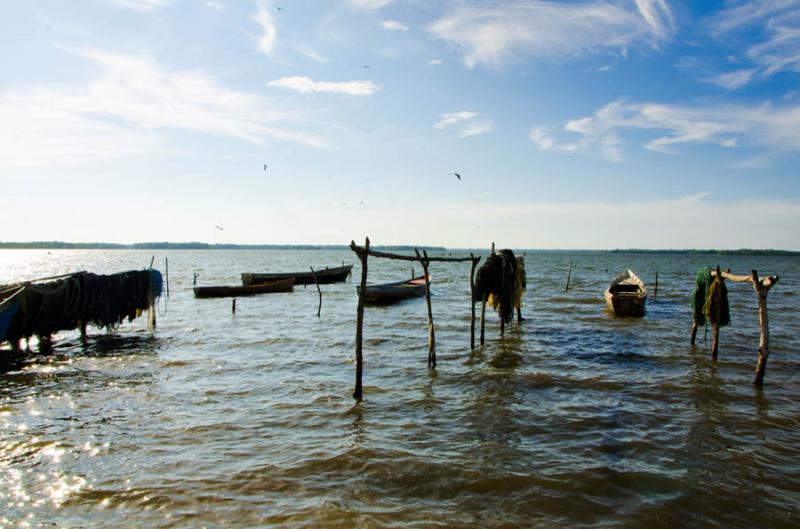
[573, 419]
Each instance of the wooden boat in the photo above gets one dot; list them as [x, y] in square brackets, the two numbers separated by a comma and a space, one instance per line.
[626, 295]
[281, 285]
[387, 293]
[325, 275]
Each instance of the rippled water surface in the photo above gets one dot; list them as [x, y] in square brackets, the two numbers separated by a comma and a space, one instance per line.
[572, 419]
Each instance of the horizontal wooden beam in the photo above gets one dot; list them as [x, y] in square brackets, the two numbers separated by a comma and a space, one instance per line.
[765, 281]
[374, 253]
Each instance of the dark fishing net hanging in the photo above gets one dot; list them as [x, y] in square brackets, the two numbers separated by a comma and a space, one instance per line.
[716, 308]
[83, 298]
[496, 279]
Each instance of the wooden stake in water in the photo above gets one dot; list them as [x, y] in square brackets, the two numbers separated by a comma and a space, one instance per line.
[363, 255]
[319, 309]
[472, 301]
[655, 294]
[233, 306]
[569, 274]
[166, 269]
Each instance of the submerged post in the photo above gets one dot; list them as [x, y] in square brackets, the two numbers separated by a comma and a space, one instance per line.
[319, 309]
[166, 269]
[472, 301]
[569, 274]
[762, 289]
[233, 306]
[655, 294]
[362, 255]
[431, 331]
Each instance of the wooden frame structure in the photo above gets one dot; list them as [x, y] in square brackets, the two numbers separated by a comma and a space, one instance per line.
[363, 253]
[762, 286]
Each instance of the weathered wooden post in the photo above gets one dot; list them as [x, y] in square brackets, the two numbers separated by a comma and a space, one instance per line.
[762, 289]
[569, 274]
[655, 294]
[319, 308]
[715, 320]
[233, 307]
[166, 268]
[431, 331]
[362, 255]
[472, 301]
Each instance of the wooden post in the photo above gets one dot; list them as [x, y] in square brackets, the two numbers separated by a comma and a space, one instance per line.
[655, 294]
[166, 267]
[472, 301]
[714, 340]
[82, 325]
[431, 331]
[483, 316]
[359, 392]
[233, 306]
[762, 289]
[319, 309]
[694, 333]
[569, 274]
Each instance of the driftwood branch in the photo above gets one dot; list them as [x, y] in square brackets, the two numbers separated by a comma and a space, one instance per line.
[359, 250]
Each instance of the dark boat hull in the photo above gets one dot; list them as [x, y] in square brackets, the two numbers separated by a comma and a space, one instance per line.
[388, 293]
[324, 276]
[282, 285]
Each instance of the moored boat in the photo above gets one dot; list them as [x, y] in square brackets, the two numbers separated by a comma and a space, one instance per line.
[626, 295]
[8, 309]
[281, 285]
[324, 275]
[387, 293]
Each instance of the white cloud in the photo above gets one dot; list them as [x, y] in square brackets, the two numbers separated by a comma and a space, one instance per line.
[263, 17]
[735, 79]
[130, 107]
[394, 25]
[468, 124]
[445, 120]
[728, 126]
[475, 129]
[498, 34]
[305, 85]
[434, 62]
[370, 5]
[142, 5]
[215, 5]
[773, 28]
[314, 55]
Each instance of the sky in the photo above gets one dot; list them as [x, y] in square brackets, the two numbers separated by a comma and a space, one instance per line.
[591, 124]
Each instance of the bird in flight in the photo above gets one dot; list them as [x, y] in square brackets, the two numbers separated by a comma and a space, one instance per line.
[457, 175]
[265, 167]
[367, 66]
[219, 227]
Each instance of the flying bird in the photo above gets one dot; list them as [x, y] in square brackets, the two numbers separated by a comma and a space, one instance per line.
[367, 66]
[219, 227]
[457, 175]
[265, 167]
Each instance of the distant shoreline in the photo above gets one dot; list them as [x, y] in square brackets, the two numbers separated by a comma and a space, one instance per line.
[60, 245]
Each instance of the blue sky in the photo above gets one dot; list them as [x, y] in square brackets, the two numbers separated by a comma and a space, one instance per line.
[573, 124]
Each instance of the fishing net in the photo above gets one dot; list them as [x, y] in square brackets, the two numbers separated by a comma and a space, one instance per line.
[497, 279]
[102, 300]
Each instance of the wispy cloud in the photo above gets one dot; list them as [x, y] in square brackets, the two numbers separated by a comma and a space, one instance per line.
[729, 126]
[370, 5]
[394, 25]
[142, 5]
[305, 85]
[499, 34]
[314, 55]
[445, 120]
[434, 62]
[131, 106]
[467, 123]
[263, 17]
[215, 5]
[772, 28]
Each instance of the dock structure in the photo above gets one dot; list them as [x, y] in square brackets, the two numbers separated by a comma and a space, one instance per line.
[711, 304]
[363, 253]
[43, 307]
